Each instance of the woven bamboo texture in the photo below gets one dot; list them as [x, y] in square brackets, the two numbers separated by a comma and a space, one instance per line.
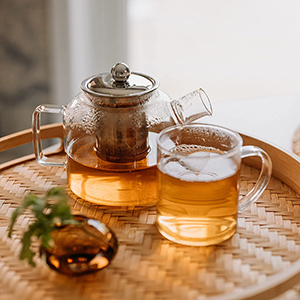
[147, 266]
[296, 141]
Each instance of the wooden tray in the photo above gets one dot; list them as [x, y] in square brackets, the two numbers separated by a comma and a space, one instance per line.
[261, 261]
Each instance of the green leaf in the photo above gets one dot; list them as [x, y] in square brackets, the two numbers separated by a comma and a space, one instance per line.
[26, 252]
[29, 200]
[39, 206]
[13, 220]
[48, 210]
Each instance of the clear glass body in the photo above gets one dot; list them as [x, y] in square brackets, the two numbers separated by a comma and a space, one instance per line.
[198, 183]
[111, 150]
[120, 130]
[111, 143]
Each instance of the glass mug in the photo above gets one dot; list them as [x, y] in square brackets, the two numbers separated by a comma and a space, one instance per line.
[198, 183]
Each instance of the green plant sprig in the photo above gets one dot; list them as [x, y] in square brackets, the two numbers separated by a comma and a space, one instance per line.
[49, 211]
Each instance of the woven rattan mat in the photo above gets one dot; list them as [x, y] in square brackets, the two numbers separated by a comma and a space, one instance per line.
[148, 266]
[296, 141]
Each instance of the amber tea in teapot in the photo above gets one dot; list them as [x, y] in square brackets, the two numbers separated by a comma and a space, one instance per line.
[128, 186]
[110, 131]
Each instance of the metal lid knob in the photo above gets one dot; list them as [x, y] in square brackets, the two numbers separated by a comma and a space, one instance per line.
[120, 72]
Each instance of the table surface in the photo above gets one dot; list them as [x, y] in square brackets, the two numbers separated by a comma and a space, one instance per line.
[273, 119]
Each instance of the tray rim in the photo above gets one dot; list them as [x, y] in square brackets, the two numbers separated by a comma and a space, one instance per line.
[286, 168]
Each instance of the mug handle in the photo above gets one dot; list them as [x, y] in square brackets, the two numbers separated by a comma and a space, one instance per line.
[264, 176]
[36, 134]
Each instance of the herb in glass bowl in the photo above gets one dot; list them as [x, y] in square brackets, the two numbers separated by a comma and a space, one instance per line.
[50, 211]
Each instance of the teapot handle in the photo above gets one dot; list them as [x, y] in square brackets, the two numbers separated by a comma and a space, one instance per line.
[36, 134]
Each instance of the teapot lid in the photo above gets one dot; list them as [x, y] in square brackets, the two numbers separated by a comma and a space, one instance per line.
[119, 83]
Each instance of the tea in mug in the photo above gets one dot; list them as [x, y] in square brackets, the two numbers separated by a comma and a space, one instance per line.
[198, 196]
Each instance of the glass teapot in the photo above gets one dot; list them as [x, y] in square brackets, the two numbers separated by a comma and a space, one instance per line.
[110, 131]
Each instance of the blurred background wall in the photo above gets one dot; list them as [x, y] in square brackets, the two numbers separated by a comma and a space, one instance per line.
[24, 65]
[24, 56]
[234, 49]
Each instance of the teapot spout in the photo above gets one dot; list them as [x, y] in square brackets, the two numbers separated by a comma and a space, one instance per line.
[186, 109]
[191, 107]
